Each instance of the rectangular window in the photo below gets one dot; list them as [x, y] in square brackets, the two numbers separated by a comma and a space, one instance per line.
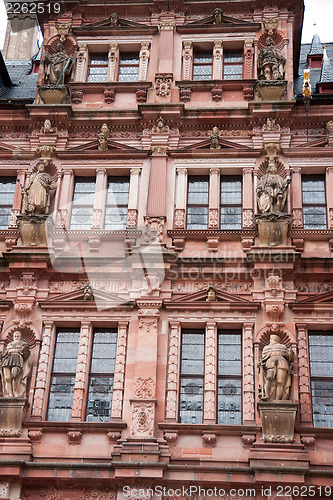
[7, 191]
[202, 65]
[231, 202]
[192, 377]
[63, 375]
[116, 204]
[101, 375]
[321, 367]
[197, 202]
[83, 203]
[314, 202]
[229, 384]
[98, 68]
[233, 65]
[129, 67]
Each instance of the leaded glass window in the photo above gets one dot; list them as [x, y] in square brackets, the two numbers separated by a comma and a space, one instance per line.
[231, 202]
[83, 203]
[98, 68]
[197, 202]
[229, 384]
[129, 67]
[321, 366]
[63, 375]
[202, 65]
[233, 65]
[192, 377]
[314, 202]
[101, 375]
[7, 191]
[117, 201]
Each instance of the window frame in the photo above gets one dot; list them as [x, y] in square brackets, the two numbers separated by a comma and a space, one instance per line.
[225, 52]
[199, 178]
[122, 205]
[231, 178]
[82, 206]
[7, 206]
[196, 53]
[318, 177]
[94, 54]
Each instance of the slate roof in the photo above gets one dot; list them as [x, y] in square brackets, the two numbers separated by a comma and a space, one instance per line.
[326, 74]
[22, 84]
[316, 46]
[315, 73]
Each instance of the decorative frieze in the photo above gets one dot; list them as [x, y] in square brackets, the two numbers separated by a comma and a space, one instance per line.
[144, 388]
[179, 218]
[81, 371]
[210, 374]
[119, 371]
[187, 54]
[144, 58]
[248, 218]
[43, 366]
[163, 83]
[113, 57]
[230, 286]
[297, 218]
[304, 374]
[173, 371]
[213, 219]
[81, 63]
[217, 59]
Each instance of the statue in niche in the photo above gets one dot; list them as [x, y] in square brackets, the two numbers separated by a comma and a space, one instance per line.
[57, 66]
[211, 293]
[15, 367]
[114, 20]
[272, 190]
[215, 139]
[37, 192]
[271, 63]
[275, 370]
[218, 16]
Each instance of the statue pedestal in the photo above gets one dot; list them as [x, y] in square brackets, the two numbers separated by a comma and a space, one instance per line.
[33, 229]
[271, 90]
[273, 228]
[278, 421]
[54, 94]
[11, 416]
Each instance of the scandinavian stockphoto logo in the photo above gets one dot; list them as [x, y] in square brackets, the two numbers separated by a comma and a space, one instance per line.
[119, 264]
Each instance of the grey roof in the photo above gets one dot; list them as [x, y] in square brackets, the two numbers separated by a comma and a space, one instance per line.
[23, 81]
[316, 46]
[326, 74]
[315, 73]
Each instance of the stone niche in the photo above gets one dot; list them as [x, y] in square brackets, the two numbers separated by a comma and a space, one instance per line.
[278, 421]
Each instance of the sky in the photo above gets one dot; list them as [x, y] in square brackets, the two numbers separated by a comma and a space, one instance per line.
[317, 19]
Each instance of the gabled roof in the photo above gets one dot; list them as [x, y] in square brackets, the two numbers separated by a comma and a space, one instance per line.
[227, 24]
[315, 73]
[17, 83]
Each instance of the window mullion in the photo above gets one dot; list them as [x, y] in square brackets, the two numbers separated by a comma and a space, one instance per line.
[113, 62]
[81, 372]
[210, 374]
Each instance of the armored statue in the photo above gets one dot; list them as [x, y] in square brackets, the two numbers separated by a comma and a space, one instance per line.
[272, 190]
[271, 63]
[15, 367]
[37, 192]
[275, 370]
[57, 66]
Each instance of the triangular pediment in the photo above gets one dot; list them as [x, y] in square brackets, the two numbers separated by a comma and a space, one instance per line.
[315, 143]
[205, 146]
[199, 300]
[227, 23]
[119, 26]
[77, 300]
[113, 146]
[314, 301]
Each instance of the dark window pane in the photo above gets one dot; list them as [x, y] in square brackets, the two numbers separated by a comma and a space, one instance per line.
[98, 68]
[7, 191]
[63, 375]
[229, 402]
[233, 65]
[314, 202]
[197, 202]
[129, 67]
[202, 66]
[191, 401]
[231, 202]
[321, 367]
[83, 203]
[99, 399]
[321, 355]
[322, 402]
[229, 354]
[233, 56]
[116, 205]
[193, 346]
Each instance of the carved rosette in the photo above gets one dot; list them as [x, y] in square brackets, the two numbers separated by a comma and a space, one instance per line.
[248, 373]
[304, 374]
[185, 94]
[132, 217]
[144, 388]
[297, 218]
[173, 371]
[213, 218]
[179, 218]
[163, 83]
[210, 373]
[142, 421]
[155, 224]
[187, 55]
[248, 218]
[119, 371]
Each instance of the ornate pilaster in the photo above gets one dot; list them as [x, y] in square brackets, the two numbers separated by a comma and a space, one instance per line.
[217, 60]
[100, 198]
[173, 371]
[113, 57]
[81, 63]
[297, 218]
[248, 190]
[144, 58]
[248, 59]
[119, 371]
[210, 374]
[81, 371]
[304, 374]
[214, 194]
[296, 198]
[181, 192]
[65, 199]
[133, 197]
[187, 55]
[43, 367]
[248, 373]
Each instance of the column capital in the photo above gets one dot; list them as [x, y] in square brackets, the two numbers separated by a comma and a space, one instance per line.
[135, 171]
[214, 170]
[248, 326]
[48, 323]
[85, 324]
[218, 44]
[247, 170]
[122, 324]
[101, 170]
[174, 324]
[181, 170]
[329, 170]
[211, 325]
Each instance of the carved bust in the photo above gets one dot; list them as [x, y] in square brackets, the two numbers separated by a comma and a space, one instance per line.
[102, 142]
[218, 16]
[88, 293]
[214, 139]
[114, 20]
[211, 293]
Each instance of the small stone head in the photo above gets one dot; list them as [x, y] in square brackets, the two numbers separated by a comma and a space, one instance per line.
[211, 293]
[218, 15]
[105, 130]
[272, 168]
[114, 19]
[47, 126]
[274, 339]
[17, 336]
[270, 41]
[102, 142]
[40, 166]
[88, 292]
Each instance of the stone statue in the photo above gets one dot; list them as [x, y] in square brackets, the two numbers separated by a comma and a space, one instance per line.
[329, 137]
[105, 130]
[306, 89]
[47, 127]
[275, 370]
[214, 139]
[15, 367]
[272, 190]
[102, 142]
[211, 293]
[88, 292]
[57, 66]
[114, 20]
[271, 63]
[37, 192]
[218, 16]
